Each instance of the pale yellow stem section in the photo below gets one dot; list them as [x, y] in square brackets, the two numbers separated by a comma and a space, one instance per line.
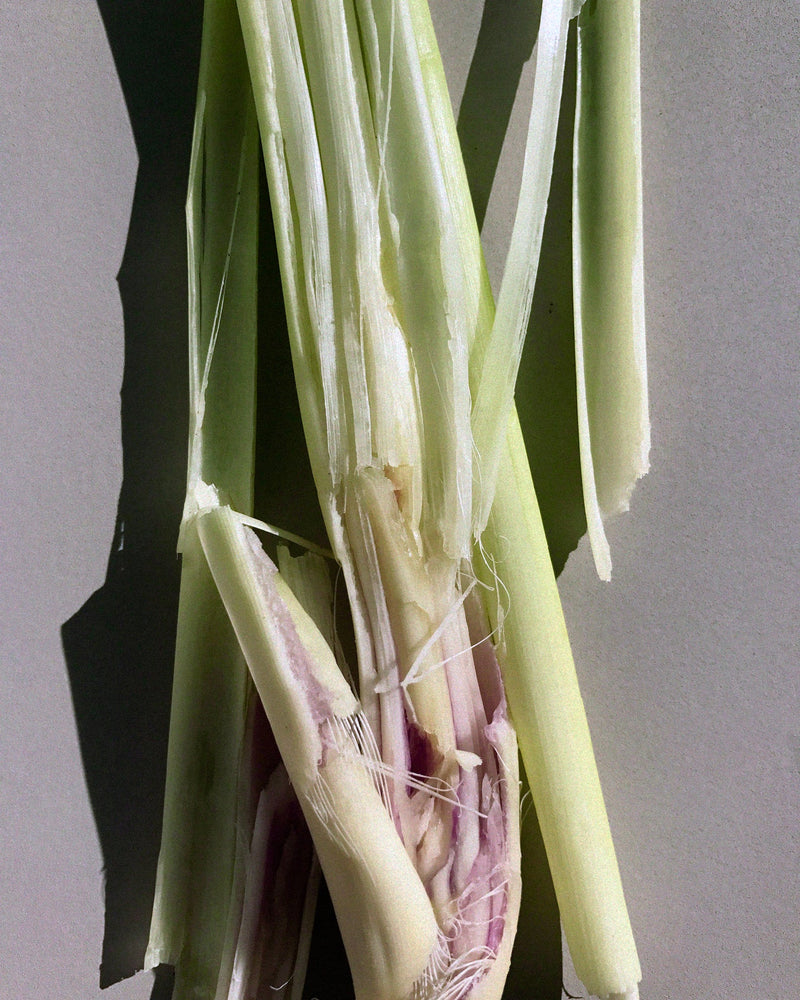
[546, 706]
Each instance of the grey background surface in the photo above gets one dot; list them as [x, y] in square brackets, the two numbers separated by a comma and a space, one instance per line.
[688, 660]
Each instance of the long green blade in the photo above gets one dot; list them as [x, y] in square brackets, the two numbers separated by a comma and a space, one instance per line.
[608, 282]
[198, 864]
[499, 357]
[547, 709]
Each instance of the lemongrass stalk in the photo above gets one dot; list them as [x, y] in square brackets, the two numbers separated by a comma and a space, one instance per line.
[199, 863]
[375, 290]
[538, 667]
[269, 941]
[347, 426]
[315, 718]
[542, 688]
[608, 283]
[216, 757]
[403, 939]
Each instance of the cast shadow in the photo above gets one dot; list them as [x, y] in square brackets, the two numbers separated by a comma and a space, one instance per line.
[119, 646]
[546, 395]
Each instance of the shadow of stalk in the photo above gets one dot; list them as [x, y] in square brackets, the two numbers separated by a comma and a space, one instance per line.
[119, 646]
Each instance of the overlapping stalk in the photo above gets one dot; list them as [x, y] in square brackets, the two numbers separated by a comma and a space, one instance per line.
[381, 332]
[209, 907]
[199, 859]
[608, 278]
[405, 380]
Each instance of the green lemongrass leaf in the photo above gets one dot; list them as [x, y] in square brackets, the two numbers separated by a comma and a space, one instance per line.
[200, 868]
[479, 302]
[545, 702]
[498, 357]
[426, 276]
[608, 283]
[384, 251]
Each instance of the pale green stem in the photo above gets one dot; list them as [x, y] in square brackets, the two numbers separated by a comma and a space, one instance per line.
[608, 281]
[200, 867]
[546, 705]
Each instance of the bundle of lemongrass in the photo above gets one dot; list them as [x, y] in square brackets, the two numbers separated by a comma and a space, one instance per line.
[405, 779]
